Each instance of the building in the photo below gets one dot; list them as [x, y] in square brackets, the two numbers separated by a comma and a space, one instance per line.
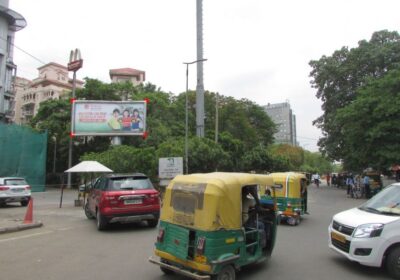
[10, 22]
[121, 75]
[282, 115]
[53, 83]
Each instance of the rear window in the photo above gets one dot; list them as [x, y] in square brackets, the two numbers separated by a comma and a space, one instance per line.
[129, 183]
[15, 182]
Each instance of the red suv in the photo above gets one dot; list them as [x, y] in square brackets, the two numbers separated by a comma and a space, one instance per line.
[123, 198]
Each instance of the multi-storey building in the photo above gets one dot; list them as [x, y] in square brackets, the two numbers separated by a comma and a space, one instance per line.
[53, 83]
[127, 75]
[282, 115]
[10, 22]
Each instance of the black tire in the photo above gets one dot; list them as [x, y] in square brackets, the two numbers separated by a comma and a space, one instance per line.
[393, 263]
[101, 222]
[152, 223]
[24, 203]
[226, 273]
[88, 214]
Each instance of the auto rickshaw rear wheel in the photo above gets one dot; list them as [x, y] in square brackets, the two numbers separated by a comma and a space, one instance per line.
[226, 273]
[166, 271]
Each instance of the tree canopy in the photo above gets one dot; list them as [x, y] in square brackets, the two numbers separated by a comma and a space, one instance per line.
[245, 133]
[342, 81]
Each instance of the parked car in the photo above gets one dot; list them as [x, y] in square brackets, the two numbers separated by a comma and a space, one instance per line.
[370, 234]
[123, 198]
[14, 189]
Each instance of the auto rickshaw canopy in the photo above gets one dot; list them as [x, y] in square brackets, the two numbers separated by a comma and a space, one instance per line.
[209, 201]
[291, 183]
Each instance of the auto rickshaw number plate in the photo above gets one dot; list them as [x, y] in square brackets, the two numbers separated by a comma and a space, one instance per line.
[133, 201]
[338, 237]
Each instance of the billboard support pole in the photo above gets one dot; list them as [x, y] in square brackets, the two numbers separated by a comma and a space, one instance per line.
[75, 63]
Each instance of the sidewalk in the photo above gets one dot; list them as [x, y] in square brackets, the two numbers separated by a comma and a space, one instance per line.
[12, 215]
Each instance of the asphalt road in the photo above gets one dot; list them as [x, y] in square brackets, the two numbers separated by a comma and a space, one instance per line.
[69, 246]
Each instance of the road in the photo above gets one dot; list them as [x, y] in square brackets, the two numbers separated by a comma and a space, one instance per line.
[69, 246]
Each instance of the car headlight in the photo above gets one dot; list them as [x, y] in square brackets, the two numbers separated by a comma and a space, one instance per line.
[368, 230]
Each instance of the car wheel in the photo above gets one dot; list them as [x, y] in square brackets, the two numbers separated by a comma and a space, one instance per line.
[226, 273]
[88, 214]
[393, 263]
[24, 202]
[152, 223]
[100, 221]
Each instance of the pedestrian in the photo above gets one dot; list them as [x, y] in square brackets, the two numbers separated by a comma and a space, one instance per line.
[328, 179]
[367, 186]
[349, 183]
[334, 180]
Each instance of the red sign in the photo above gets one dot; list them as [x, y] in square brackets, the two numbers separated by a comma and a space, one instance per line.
[75, 65]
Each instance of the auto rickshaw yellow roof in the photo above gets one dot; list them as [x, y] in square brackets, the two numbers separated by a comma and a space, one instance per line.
[206, 201]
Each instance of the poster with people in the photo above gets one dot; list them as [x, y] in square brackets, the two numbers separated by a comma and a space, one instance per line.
[108, 118]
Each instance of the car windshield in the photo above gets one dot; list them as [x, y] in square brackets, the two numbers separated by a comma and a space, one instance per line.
[15, 182]
[130, 183]
[387, 202]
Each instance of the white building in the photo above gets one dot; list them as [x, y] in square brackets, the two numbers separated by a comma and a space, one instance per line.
[53, 83]
[10, 22]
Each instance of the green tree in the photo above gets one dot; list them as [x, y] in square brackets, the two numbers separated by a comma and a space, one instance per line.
[125, 159]
[338, 77]
[370, 124]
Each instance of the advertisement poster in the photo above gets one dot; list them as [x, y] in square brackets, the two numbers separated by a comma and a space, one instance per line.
[109, 118]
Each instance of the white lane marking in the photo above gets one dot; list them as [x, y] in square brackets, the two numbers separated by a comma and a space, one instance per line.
[25, 236]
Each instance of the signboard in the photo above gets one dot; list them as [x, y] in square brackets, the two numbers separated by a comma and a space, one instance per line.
[108, 118]
[168, 168]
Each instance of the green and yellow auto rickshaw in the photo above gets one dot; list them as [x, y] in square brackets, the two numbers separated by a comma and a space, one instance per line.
[291, 196]
[202, 232]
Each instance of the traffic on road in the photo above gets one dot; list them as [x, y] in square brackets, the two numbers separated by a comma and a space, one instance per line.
[69, 246]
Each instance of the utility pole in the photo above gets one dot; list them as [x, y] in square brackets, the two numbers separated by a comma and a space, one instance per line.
[186, 113]
[200, 86]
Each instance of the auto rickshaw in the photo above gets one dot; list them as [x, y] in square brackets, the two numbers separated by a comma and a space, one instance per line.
[291, 196]
[201, 232]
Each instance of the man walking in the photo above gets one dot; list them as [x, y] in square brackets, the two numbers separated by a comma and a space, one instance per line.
[367, 187]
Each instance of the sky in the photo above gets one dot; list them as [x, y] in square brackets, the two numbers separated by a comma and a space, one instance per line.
[255, 49]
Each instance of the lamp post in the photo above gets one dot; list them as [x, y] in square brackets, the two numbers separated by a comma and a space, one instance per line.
[186, 111]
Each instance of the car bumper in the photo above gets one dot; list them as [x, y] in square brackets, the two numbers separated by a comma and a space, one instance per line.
[14, 198]
[366, 251]
[131, 217]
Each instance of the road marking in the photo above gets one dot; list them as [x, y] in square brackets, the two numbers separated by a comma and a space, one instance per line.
[25, 236]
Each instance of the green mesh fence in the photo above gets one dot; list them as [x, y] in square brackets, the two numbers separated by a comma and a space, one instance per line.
[23, 154]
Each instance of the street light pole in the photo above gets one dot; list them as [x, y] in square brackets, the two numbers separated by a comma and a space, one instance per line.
[186, 112]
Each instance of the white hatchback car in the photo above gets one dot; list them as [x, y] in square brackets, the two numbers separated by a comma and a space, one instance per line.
[14, 189]
[370, 234]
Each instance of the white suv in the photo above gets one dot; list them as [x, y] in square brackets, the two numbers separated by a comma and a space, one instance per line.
[14, 189]
[370, 234]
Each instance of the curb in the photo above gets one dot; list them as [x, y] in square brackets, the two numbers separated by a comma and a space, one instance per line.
[20, 227]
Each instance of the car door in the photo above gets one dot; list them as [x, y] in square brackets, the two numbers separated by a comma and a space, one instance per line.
[93, 195]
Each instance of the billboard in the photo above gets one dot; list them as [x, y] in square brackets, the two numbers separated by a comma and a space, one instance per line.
[108, 118]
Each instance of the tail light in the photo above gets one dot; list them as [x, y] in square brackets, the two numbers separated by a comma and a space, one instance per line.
[4, 188]
[110, 200]
[201, 246]
[28, 188]
[153, 197]
[160, 236]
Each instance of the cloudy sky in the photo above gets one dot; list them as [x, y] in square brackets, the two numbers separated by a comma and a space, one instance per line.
[256, 49]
